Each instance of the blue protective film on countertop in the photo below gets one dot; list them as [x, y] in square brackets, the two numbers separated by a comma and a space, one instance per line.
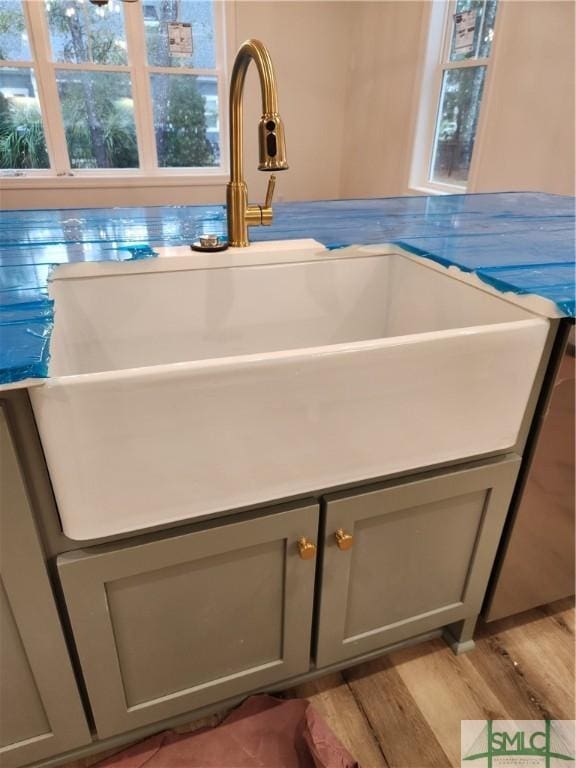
[517, 241]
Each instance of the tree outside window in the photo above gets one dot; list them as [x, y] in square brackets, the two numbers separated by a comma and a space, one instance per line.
[90, 63]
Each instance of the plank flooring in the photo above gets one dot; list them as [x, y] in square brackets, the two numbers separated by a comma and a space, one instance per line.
[406, 707]
[403, 710]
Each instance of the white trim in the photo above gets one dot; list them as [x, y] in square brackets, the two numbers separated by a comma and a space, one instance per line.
[224, 22]
[42, 173]
[438, 189]
[88, 66]
[143, 111]
[489, 79]
[447, 32]
[465, 64]
[112, 179]
[428, 192]
[430, 87]
[8, 64]
[47, 89]
[153, 70]
[417, 94]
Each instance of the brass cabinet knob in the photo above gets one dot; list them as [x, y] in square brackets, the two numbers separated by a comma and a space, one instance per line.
[306, 549]
[343, 540]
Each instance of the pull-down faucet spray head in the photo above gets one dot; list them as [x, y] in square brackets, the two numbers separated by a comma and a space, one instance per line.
[271, 144]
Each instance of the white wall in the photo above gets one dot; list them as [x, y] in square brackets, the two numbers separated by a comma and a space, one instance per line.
[528, 131]
[526, 135]
[69, 195]
[309, 47]
[349, 76]
[383, 76]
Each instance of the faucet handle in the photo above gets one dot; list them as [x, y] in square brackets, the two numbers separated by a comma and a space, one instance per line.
[256, 215]
[266, 212]
[270, 191]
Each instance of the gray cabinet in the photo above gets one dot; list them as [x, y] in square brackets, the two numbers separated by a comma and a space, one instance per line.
[172, 622]
[41, 710]
[408, 557]
[167, 625]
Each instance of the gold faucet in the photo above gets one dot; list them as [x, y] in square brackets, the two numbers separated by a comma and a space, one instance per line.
[271, 143]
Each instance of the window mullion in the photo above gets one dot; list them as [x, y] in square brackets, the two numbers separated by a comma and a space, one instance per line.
[222, 75]
[443, 57]
[44, 71]
[88, 66]
[143, 113]
[15, 64]
[480, 31]
[183, 71]
[465, 63]
[448, 33]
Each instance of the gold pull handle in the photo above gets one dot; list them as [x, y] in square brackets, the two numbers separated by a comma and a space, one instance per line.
[270, 191]
[306, 549]
[343, 540]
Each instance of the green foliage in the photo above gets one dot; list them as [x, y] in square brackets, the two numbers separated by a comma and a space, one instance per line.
[11, 23]
[181, 134]
[97, 111]
[22, 142]
[84, 35]
[99, 121]
[120, 138]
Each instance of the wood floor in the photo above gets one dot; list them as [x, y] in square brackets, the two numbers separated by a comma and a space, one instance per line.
[404, 709]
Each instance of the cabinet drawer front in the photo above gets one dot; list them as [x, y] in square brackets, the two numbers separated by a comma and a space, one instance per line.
[170, 625]
[420, 557]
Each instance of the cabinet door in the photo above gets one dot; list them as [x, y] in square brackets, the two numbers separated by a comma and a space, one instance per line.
[172, 624]
[419, 559]
[41, 712]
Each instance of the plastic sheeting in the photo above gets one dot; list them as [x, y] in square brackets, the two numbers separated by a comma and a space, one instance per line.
[519, 241]
[264, 732]
[27, 312]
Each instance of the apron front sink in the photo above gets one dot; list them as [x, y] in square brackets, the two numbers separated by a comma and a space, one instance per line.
[177, 394]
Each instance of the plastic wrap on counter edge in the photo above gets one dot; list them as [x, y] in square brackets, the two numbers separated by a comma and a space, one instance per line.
[515, 242]
[27, 316]
[554, 282]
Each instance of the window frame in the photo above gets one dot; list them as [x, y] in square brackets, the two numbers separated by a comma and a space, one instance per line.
[61, 174]
[436, 61]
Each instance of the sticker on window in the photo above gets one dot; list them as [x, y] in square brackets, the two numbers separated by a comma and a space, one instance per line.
[464, 26]
[180, 39]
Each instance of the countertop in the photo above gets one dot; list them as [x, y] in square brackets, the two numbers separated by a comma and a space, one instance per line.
[521, 242]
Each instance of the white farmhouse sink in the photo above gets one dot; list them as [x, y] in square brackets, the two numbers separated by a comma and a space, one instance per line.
[182, 393]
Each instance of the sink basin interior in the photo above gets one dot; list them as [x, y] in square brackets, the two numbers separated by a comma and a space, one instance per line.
[115, 322]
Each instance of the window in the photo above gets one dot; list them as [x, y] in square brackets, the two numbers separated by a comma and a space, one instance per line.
[452, 92]
[22, 138]
[126, 87]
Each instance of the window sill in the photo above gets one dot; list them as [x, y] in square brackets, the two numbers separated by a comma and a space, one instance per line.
[436, 189]
[101, 181]
[425, 191]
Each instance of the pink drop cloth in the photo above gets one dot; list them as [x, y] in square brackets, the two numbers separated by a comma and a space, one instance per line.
[263, 732]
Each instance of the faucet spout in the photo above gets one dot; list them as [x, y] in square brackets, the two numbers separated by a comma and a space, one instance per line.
[272, 148]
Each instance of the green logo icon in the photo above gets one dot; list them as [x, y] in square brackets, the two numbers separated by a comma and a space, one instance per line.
[543, 740]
